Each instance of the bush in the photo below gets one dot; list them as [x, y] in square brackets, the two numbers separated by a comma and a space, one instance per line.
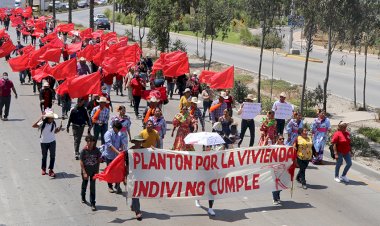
[108, 13]
[119, 17]
[247, 38]
[178, 45]
[240, 91]
[371, 133]
[272, 40]
[244, 78]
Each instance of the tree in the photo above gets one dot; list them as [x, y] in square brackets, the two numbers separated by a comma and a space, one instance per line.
[266, 12]
[159, 19]
[370, 32]
[310, 11]
[53, 9]
[92, 4]
[70, 19]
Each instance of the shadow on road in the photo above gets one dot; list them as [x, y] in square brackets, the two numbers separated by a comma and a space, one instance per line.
[63, 175]
[316, 186]
[328, 163]
[356, 183]
[108, 208]
[222, 214]
[16, 120]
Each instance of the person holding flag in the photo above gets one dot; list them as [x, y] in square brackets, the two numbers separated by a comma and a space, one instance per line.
[217, 107]
[100, 116]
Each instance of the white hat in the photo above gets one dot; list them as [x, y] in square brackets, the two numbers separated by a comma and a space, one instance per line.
[283, 94]
[103, 100]
[250, 97]
[82, 59]
[45, 84]
[217, 126]
[187, 90]
[154, 99]
[224, 95]
[195, 100]
[50, 114]
[197, 72]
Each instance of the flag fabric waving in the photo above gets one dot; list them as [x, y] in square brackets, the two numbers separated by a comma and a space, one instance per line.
[73, 48]
[85, 85]
[223, 80]
[172, 64]
[65, 27]
[115, 172]
[6, 48]
[19, 63]
[66, 69]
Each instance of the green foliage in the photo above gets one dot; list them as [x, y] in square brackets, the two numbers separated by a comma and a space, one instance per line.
[313, 98]
[244, 78]
[178, 45]
[240, 91]
[371, 133]
[108, 13]
[266, 104]
[272, 40]
[247, 38]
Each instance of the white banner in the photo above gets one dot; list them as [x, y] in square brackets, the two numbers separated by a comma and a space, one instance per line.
[209, 175]
[250, 110]
[283, 111]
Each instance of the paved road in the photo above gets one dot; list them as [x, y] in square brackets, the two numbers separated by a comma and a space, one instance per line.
[341, 77]
[27, 198]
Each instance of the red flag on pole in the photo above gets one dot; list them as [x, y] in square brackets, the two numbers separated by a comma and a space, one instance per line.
[64, 87]
[85, 85]
[87, 33]
[73, 48]
[115, 172]
[223, 80]
[35, 56]
[66, 69]
[55, 43]
[88, 52]
[49, 37]
[65, 27]
[52, 54]
[6, 48]
[172, 64]
[19, 63]
[41, 73]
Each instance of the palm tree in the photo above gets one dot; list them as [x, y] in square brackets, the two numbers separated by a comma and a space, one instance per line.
[92, 14]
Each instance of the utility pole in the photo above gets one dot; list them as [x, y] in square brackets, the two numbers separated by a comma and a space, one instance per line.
[113, 16]
[291, 26]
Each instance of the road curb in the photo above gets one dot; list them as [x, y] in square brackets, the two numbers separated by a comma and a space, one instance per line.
[298, 57]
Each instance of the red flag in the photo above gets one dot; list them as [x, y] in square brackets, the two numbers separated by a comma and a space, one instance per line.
[85, 85]
[223, 80]
[27, 12]
[85, 34]
[56, 43]
[19, 63]
[40, 25]
[49, 37]
[205, 76]
[109, 36]
[97, 34]
[172, 64]
[35, 56]
[24, 31]
[64, 87]
[132, 53]
[28, 49]
[6, 48]
[66, 69]
[3, 34]
[38, 32]
[87, 52]
[73, 48]
[52, 54]
[100, 55]
[115, 172]
[16, 20]
[65, 27]
[41, 73]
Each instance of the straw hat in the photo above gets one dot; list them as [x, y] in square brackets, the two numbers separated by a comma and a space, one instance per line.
[187, 90]
[103, 100]
[50, 114]
[154, 99]
[197, 72]
[195, 100]
[224, 95]
[138, 138]
[45, 84]
[283, 94]
[250, 97]
[82, 59]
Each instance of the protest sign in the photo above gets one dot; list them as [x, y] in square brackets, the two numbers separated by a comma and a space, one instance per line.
[209, 175]
[283, 111]
[250, 110]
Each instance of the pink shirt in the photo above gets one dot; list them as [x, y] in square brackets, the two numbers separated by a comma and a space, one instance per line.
[5, 88]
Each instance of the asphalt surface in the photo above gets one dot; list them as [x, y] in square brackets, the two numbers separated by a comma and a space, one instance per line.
[341, 76]
[27, 198]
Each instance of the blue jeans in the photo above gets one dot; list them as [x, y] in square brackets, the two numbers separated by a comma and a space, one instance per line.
[276, 195]
[100, 129]
[136, 205]
[339, 162]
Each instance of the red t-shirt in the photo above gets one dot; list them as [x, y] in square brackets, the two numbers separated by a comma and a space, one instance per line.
[136, 87]
[342, 141]
[5, 88]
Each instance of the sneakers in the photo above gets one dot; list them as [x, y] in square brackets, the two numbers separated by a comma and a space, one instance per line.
[197, 203]
[345, 179]
[337, 179]
[211, 212]
[76, 156]
[93, 207]
[5, 119]
[119, 191]
[276, 203]
[84, 200]
[139, 216]
[51, 173]
[110, 190]
[304, 186]
[43, 172]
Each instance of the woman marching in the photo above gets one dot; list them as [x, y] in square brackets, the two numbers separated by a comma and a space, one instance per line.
[342, 150]
[125, 121]
[48, 129]
[183, 121]
[292, 128]
[268, 130]
[304, 147]
[159, 124]
[320, 129]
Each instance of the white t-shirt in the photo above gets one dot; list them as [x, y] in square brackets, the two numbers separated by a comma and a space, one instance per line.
[47, 136]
